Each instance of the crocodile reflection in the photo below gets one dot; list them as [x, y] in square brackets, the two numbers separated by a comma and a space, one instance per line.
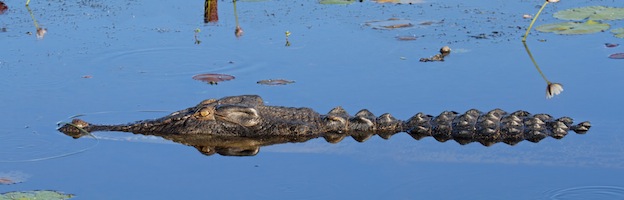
[240, 125]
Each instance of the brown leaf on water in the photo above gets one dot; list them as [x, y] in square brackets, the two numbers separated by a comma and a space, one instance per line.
[617, 56]
[611, 45]
[213, 78]
[406, 38]
[3, 7]
[13, 177]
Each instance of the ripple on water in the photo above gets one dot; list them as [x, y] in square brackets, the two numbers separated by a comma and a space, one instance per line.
[587, 192]
[167, 63]
[26, 146]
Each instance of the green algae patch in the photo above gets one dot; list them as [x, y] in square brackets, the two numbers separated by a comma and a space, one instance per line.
[37, 194]
[574, 28]
[591, 13]
[618, 32]
[336, 1]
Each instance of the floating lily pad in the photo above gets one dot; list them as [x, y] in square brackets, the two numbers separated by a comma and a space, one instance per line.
[570, 28]
[275, 82]
[336, 1]
[617, 56]
[213, 78]
[14, 177]
[591, 13]
[37, 194]
[619, 32]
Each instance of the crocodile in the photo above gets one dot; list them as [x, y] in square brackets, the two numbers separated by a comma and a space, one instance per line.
[240, 125]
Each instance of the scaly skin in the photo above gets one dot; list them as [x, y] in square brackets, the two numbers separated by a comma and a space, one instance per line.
[239, 125]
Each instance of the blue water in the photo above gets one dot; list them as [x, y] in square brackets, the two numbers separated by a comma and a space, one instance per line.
[140, 56]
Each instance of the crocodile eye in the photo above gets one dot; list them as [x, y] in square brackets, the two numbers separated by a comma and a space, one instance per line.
[205, 113]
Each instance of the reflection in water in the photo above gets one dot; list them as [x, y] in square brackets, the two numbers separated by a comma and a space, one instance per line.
[240, 125]
[40, 31]
[210, 11]
[552, 89]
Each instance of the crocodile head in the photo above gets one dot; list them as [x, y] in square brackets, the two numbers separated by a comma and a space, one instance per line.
[244, 115]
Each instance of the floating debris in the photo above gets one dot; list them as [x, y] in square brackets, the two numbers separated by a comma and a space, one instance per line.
[527, 16]
[444, 51]
[574, 28]
[37, 194]
[213, 79]
[591, 13]
[617, 56]
[275, 82]
[13, 177]
[611, 45]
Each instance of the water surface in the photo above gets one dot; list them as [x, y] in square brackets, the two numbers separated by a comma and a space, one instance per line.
[113, 60]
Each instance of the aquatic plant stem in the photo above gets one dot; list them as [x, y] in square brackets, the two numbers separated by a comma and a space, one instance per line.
[532, 22]
[235, 13]
[535, 63]
[32, 16]
[27, 2]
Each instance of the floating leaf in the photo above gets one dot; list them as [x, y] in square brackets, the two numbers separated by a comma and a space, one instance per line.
[617, 56]
[611, 45]
[406, 38]
[275, 82]
[336, 1]
[37, 194]
[213, 78]
[591, 13]
[13, 177]
[619, 32]
[3, 7]
[587, 27]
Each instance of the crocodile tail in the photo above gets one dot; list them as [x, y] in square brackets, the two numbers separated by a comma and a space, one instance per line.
[491, 127]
